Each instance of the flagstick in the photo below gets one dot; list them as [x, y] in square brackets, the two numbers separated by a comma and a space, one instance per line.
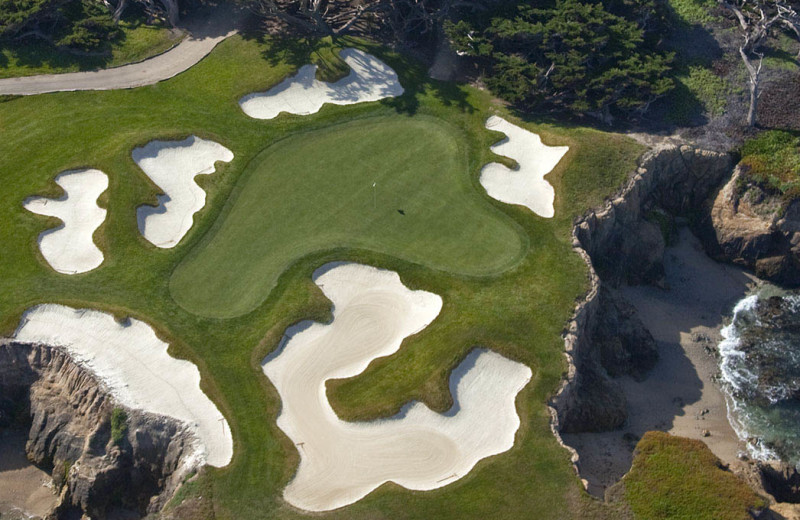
[374, 196]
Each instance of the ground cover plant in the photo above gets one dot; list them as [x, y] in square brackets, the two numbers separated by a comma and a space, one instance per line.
[674, 478]
[518, 312]
[772, 159]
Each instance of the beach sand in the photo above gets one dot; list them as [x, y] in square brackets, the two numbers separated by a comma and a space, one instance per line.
[25, 490]
[680, 395]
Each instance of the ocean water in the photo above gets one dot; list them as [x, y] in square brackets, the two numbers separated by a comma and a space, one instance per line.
[760, 373]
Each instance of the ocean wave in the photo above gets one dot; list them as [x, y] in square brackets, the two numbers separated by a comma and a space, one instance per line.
[759, 359]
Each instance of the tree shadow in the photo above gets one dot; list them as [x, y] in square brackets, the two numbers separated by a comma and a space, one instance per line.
[300, 51]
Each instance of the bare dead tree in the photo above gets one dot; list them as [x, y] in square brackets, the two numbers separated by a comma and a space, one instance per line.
[757, 21]
[165, 9]
[339, 17]
[324, 17]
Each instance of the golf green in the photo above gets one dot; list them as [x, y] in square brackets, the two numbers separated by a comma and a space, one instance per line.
[393, 184]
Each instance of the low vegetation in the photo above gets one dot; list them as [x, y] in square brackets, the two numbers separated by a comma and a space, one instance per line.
[119, 425]
[772, 159]
[674, 478]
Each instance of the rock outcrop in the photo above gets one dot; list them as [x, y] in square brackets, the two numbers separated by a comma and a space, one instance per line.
[135, 466]
[750, 227]
[780, 480]
[622, 243]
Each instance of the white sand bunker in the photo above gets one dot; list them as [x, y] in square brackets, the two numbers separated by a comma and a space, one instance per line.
[525, 185]
[341, 462]
[173, 165]
[69, 248]
[130, 359]
[369, 80]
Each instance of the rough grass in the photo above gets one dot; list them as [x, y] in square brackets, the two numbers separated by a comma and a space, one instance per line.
[694, 11]
[773, 160]
[314, 192]
[676, 478]
[520, 312]
[138, 42]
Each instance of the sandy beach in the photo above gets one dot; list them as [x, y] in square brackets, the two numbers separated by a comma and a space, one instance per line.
[680, 395]
[25, 490]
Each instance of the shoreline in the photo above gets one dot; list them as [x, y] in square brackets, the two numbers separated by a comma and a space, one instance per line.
[680, 395]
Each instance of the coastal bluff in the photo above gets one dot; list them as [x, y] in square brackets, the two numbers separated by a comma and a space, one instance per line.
[620, 244]
[96, 468]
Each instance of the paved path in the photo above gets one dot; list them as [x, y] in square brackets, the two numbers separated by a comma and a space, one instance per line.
[203, 37]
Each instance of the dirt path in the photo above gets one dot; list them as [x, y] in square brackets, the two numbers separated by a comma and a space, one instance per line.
[205, 32]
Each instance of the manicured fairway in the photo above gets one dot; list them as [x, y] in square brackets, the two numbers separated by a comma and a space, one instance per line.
[314, 191]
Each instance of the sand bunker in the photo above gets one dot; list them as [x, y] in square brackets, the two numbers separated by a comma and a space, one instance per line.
[134, 364]
[69, 248]
[369, 80]
[341, 462]
[173, 165]
[524, 185]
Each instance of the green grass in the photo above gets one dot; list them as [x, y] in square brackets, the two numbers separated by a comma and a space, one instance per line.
[138, 42]
[417, 165]
[773, 160]
[330, 67]
[711, 90]
[519, 312]
[694, 11]
[673, 478]
[119, 425]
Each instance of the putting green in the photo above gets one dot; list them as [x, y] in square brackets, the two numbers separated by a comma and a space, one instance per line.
[314, 192]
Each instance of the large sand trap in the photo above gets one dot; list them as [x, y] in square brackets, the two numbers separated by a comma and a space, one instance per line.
[524, 185]
[369, 80]
[134, 364]
[173, 165]
[341, 462]
[69, 248]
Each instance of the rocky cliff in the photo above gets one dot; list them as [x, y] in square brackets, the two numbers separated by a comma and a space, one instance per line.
[623, 242]
[746, 225]
[132, 465]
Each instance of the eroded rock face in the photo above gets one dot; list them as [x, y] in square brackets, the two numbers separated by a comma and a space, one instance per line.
[71, 436]
[624, 247]
[781, 480]
[625, 345]
[605, 339]
[754, 229]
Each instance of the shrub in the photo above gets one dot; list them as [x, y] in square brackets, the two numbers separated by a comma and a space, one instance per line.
[119, 425]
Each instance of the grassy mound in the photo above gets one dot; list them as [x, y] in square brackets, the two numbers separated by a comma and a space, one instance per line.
[677, 478]
[314, 192]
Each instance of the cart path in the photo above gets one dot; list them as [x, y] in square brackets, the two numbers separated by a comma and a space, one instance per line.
[203, 36]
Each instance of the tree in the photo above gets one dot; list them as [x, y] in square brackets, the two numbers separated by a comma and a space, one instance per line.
[575, 55]
[758, 20]
[76, 24]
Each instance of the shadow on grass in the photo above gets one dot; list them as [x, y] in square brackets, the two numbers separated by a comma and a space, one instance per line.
[297, 52]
